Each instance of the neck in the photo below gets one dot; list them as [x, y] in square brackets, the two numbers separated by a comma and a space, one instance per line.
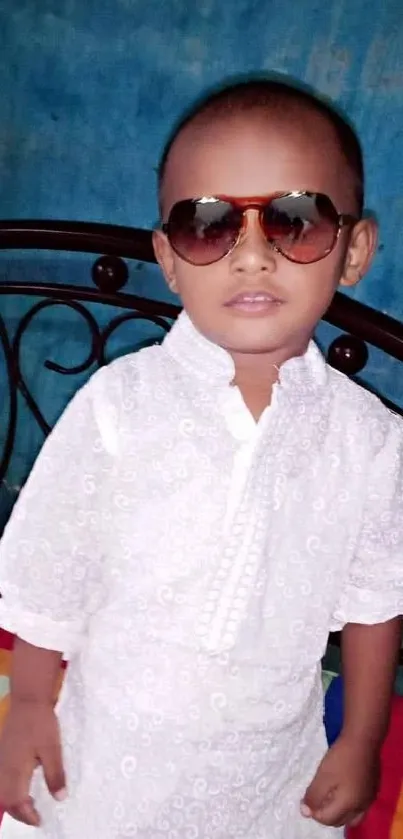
[255, 377]
[257, 373]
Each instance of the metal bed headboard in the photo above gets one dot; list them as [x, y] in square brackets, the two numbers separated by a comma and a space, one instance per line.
[360, 324]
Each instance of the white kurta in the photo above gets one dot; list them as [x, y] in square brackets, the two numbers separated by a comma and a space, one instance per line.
[191, 563]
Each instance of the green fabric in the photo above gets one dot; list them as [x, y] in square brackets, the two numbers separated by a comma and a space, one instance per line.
[327, 679]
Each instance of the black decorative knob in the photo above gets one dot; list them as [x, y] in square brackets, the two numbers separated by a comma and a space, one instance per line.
[110, 273]
[348, 354]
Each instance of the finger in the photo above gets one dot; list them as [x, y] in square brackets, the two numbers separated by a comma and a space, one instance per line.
[356, 819]
[350, 820]
[52, 765]
[334, 813]
[344, 821]
[25, 813]
[16, 799]
[318, 793]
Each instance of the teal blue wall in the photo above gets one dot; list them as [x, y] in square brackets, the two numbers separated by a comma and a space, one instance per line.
[89, 91]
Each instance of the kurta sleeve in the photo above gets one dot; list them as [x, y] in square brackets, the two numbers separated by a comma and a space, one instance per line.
[51, 550]
[373, 590]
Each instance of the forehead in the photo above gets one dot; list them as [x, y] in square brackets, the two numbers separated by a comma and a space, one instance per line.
[258, 155]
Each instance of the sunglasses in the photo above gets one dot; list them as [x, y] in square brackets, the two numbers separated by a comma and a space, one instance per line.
[302, 226]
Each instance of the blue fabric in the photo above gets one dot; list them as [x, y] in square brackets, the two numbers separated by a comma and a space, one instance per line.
[334, 710]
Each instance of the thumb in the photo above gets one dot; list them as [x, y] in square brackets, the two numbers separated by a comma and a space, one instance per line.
[53, 770]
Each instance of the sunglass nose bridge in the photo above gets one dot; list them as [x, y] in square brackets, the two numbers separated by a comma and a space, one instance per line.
[253, 229]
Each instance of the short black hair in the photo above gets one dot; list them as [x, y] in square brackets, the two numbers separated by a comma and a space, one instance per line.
[272, 94]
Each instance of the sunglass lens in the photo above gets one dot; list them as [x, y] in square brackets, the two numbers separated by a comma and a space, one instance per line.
[202, 232]
[303, 227]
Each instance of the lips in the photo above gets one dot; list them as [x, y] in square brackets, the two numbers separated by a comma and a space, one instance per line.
[254, 301]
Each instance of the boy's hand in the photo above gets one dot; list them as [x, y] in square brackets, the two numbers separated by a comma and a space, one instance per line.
[30, 737]
[344, 786]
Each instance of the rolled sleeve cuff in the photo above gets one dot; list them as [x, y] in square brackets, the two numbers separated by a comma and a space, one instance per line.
[367, 607]
[41, 631]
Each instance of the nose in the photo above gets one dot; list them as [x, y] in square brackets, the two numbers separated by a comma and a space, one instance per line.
[253, 253]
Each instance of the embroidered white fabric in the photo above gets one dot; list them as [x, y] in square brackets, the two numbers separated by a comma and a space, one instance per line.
[191, 563]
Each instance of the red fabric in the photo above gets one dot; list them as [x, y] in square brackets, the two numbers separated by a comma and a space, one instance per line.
[6, 640]
[6, 643]
[384, 820]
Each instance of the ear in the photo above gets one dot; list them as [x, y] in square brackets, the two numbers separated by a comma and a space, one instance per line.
[165, 258]
[360, 252]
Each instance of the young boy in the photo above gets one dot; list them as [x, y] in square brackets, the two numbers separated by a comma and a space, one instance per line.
[206, 511]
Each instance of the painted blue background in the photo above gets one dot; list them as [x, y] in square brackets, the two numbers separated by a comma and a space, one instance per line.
[89, 92]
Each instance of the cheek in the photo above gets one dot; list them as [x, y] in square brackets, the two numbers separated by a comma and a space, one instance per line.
[312, 289]
[199, 287]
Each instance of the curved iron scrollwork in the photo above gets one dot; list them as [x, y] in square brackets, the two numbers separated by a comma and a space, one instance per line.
[23, 326]
[110, 274]
[13, 401]
[116, 322]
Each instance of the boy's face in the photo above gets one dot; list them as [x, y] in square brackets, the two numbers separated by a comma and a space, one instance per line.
[255, 155]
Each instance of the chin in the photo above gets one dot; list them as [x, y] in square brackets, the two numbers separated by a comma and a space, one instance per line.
[279, 347]
[253, 340]
[251, 347]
